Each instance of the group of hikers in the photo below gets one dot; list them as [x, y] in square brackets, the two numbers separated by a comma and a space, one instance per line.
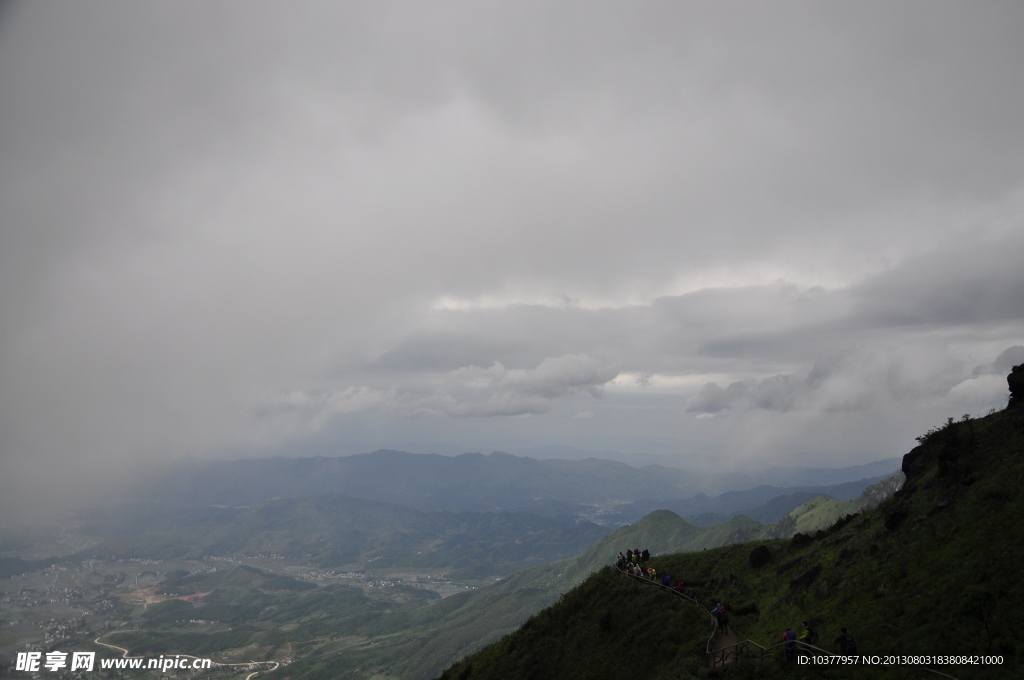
[631, 561]
[630, 564]
[809, 636]
[634, 556]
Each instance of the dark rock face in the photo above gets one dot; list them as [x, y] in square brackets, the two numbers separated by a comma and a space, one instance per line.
[1016, 382]
[760, 556]
[914, 464]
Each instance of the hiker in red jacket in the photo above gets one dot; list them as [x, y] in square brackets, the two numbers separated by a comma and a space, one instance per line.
[723, 617]
[789, 637]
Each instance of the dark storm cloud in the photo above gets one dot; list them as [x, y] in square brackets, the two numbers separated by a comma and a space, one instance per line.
[971, 280]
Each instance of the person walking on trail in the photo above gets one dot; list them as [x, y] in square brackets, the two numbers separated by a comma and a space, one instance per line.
[723, 617]
[807, 636]
[791, 642]
[717, 611]
[847, 645]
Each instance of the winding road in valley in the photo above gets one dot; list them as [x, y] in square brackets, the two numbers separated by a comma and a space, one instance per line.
[124, 655]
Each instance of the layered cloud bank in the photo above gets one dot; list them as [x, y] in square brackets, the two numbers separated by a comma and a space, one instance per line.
[470, 391]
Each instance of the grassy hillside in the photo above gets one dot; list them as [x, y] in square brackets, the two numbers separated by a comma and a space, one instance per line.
[606, 628]
[822, 512]
[932, 571]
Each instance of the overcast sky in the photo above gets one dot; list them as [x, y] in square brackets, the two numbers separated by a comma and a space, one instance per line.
[739, 232]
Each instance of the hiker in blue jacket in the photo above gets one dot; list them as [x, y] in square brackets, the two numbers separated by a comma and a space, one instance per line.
[789, 637]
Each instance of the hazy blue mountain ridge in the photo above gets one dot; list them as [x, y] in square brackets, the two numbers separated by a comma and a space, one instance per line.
[471, 481]
[764, 503]
[497, 481]
[334, 530]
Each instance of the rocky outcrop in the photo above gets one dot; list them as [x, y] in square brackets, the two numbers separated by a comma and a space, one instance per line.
[1016, 382]
[878, 492]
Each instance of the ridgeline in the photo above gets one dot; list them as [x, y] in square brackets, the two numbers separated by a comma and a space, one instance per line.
[932, 571]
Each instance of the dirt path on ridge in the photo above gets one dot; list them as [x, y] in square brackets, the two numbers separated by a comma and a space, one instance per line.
[725, 640]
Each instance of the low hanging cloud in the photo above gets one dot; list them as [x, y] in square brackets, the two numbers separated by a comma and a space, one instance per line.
[988, 381]
[713, 399]
[312, 410]
[1004, 363]
[471, 391]
[863, 377]
[500, 391]
[774, 393]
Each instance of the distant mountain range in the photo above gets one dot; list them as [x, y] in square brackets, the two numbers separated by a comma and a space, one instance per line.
[764, 503]
[500, 481]
[333, 530]
[488, 515]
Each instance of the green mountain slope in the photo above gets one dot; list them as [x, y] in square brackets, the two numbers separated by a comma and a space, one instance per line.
[932, 571]
[822, 512]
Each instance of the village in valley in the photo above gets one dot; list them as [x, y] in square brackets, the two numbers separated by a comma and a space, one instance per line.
[90, 604]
